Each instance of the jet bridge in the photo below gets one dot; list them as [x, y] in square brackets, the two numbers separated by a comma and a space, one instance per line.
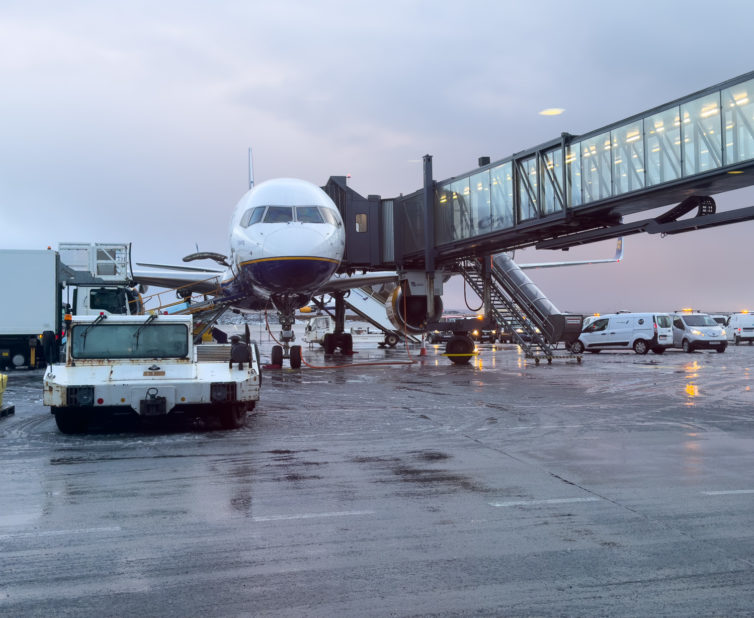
[572, 190]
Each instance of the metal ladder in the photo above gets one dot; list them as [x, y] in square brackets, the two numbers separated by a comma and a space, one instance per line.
[508, 310]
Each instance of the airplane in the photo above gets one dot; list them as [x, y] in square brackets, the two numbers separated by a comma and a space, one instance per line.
[287, 241]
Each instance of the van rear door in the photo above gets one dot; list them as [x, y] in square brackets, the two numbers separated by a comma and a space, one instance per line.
[664, 325]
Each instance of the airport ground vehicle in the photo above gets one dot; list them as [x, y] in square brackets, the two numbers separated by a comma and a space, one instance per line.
[149, 366]
[740, 328]
[695, 331]
[30, 308]
[640, 332]
[39, 285]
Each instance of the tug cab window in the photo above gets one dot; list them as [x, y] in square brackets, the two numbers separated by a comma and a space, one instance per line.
[308, 214]
[278, 214]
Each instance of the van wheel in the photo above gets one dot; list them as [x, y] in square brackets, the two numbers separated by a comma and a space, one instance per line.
[641, 346]
[738, 340]
[687, 346]
[577, 347]
[721, 349]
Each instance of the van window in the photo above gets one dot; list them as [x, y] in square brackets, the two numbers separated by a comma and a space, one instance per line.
[699, 320]
[678, 323]
[663, 321]
[597, 326]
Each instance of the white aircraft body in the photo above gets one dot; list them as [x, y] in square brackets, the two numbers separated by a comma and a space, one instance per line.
[286, 243]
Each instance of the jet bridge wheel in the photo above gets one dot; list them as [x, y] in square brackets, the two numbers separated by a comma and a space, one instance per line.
[460, 349]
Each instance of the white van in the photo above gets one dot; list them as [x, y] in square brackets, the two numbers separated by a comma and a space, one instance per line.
[639, 332]
[740, 328]
[698, 331]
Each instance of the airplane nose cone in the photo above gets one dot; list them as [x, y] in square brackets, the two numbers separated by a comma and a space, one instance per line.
[296, 239]
[294, 258]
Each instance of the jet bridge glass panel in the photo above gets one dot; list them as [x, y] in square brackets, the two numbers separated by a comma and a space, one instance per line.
[702, 135]
[738, 120]
[501, 196]
[121, 341]
[662, 133]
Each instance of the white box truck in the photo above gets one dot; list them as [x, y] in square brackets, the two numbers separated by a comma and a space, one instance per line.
[30, 308]
[38, 286]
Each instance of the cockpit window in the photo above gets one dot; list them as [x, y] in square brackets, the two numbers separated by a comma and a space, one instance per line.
[278, 214]
[252, 216]
[330, 216]
[308, 214]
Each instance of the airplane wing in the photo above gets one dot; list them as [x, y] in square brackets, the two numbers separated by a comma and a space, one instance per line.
[341, 283]
[185, 278]
[617, 258]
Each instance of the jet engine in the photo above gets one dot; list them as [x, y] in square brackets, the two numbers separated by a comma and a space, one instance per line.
[409, 312]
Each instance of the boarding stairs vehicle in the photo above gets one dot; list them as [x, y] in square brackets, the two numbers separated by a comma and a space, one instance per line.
[519, 307]
[148, 366]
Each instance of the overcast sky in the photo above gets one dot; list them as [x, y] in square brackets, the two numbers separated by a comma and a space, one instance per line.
[130, 121]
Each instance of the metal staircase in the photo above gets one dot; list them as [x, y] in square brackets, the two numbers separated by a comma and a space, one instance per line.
[511, 310]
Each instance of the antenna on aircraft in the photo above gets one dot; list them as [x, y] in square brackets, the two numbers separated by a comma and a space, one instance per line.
[251, 171]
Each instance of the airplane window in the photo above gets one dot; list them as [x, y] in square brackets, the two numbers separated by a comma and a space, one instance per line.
[278, 214]
[329, 216]
[252, 216]
[308, 214]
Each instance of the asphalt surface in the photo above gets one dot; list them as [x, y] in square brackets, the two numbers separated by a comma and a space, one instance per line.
[619, 486]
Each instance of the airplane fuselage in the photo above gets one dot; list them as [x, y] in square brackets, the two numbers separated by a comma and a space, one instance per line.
[286, 239]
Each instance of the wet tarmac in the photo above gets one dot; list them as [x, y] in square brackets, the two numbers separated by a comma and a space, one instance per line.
[619, 486]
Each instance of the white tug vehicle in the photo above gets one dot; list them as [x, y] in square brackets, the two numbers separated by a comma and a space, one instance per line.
[148, 365]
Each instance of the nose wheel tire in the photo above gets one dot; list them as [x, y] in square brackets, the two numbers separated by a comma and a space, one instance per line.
[296, 357]
[276, 356]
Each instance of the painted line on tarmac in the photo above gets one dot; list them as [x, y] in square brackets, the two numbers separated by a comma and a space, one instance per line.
[22, 535]
[550, 501]
[311, 515]
[730, 492]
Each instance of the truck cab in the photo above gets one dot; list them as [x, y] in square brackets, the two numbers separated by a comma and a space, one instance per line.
[148, 366]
